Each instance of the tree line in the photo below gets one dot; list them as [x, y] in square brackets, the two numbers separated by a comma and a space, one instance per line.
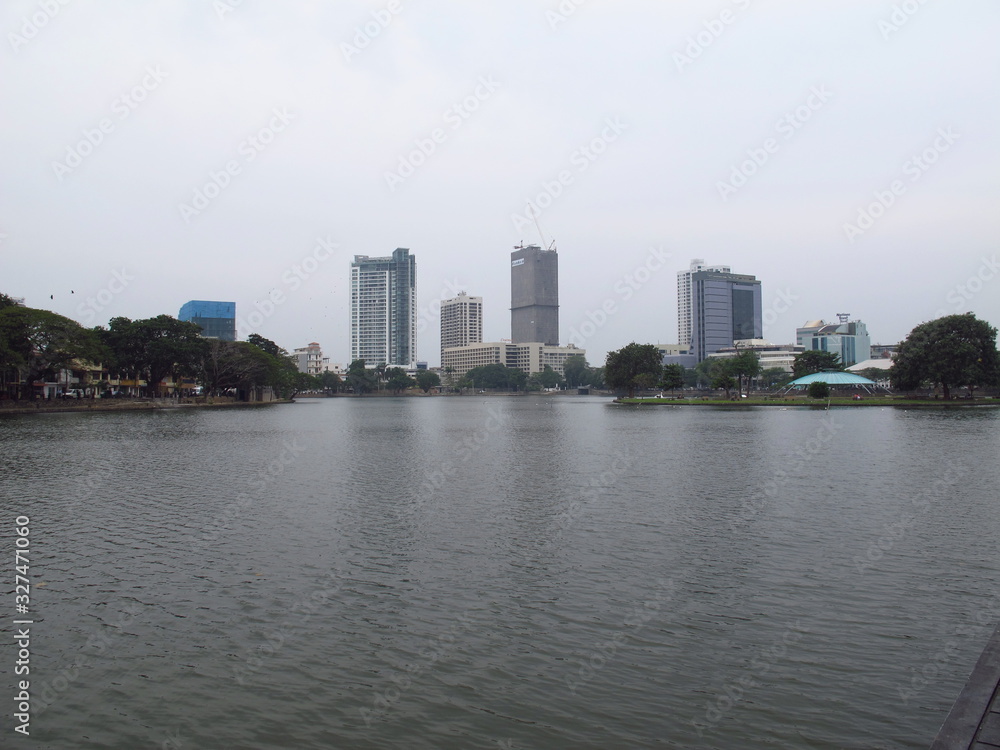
[950, 352]
[36, 345]
[361, 379]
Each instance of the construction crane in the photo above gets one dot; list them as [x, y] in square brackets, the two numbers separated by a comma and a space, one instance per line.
[547, 246]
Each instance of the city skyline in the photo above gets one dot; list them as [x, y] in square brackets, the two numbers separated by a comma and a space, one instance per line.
[464, 313]
[203, 158]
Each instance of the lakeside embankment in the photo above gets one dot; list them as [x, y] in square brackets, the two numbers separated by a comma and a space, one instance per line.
[103, 405]
[821, 403]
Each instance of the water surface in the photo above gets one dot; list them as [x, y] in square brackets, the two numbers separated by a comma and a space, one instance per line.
[503, 572]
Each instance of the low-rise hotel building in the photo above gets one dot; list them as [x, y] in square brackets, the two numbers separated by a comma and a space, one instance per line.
[530, 357]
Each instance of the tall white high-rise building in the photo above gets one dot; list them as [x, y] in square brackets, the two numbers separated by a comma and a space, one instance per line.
[384, 309]
[684, 308]
[461, 321]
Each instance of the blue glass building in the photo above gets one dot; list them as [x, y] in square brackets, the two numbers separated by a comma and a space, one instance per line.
[217, 319]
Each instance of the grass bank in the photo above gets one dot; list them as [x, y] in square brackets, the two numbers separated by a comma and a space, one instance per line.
[801, 401]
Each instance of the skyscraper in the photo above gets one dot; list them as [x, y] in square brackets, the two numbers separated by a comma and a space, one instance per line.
[461, 321]
[217, 319]
[684, 298]
[725, 308]
[384, 309]
[534, 295]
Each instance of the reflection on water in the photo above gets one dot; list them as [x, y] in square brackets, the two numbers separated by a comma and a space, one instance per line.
[503, 572]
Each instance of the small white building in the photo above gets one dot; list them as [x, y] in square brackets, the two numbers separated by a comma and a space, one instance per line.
[310, 359]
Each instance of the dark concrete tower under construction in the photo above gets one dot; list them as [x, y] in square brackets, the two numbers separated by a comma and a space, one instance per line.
[534, 295]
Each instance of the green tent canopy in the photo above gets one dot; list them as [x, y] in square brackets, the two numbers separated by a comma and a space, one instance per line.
[834, 378]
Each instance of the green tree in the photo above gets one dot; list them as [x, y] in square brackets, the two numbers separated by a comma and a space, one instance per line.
[875, 374]
[266, 345]
[818, 389]
[494, 377]
[549, 378]
[952, 351]
[672, 377]
[249, 368]
[516, 379]
[426, 379]
[722, 379]
[633, 366]
[745, 366]
[706, 371]
[359, 378]
[486, 377]
[380, 374]
[330, 382]
[575, 370]
[806, 363]
[153, 348]
[397, 381]
[773, 376]
[38, 344]
[283, 375]
[718, 372]
[303, 381]
[228, 364]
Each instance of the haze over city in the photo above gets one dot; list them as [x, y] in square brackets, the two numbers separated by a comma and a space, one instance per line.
[749, 134]
[761, 515]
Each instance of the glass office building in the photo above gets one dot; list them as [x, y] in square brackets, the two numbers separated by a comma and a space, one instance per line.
[848, 338]
[725, 308]
[217, 319]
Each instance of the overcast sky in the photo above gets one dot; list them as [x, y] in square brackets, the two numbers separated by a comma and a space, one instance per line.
[746, 132]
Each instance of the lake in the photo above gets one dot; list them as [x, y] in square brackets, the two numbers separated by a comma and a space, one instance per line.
[489, 572]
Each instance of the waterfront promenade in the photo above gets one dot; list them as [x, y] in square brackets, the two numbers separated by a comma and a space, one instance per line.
[974, 720]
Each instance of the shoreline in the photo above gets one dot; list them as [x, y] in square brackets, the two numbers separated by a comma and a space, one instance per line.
[815, 403]
[45, 407]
